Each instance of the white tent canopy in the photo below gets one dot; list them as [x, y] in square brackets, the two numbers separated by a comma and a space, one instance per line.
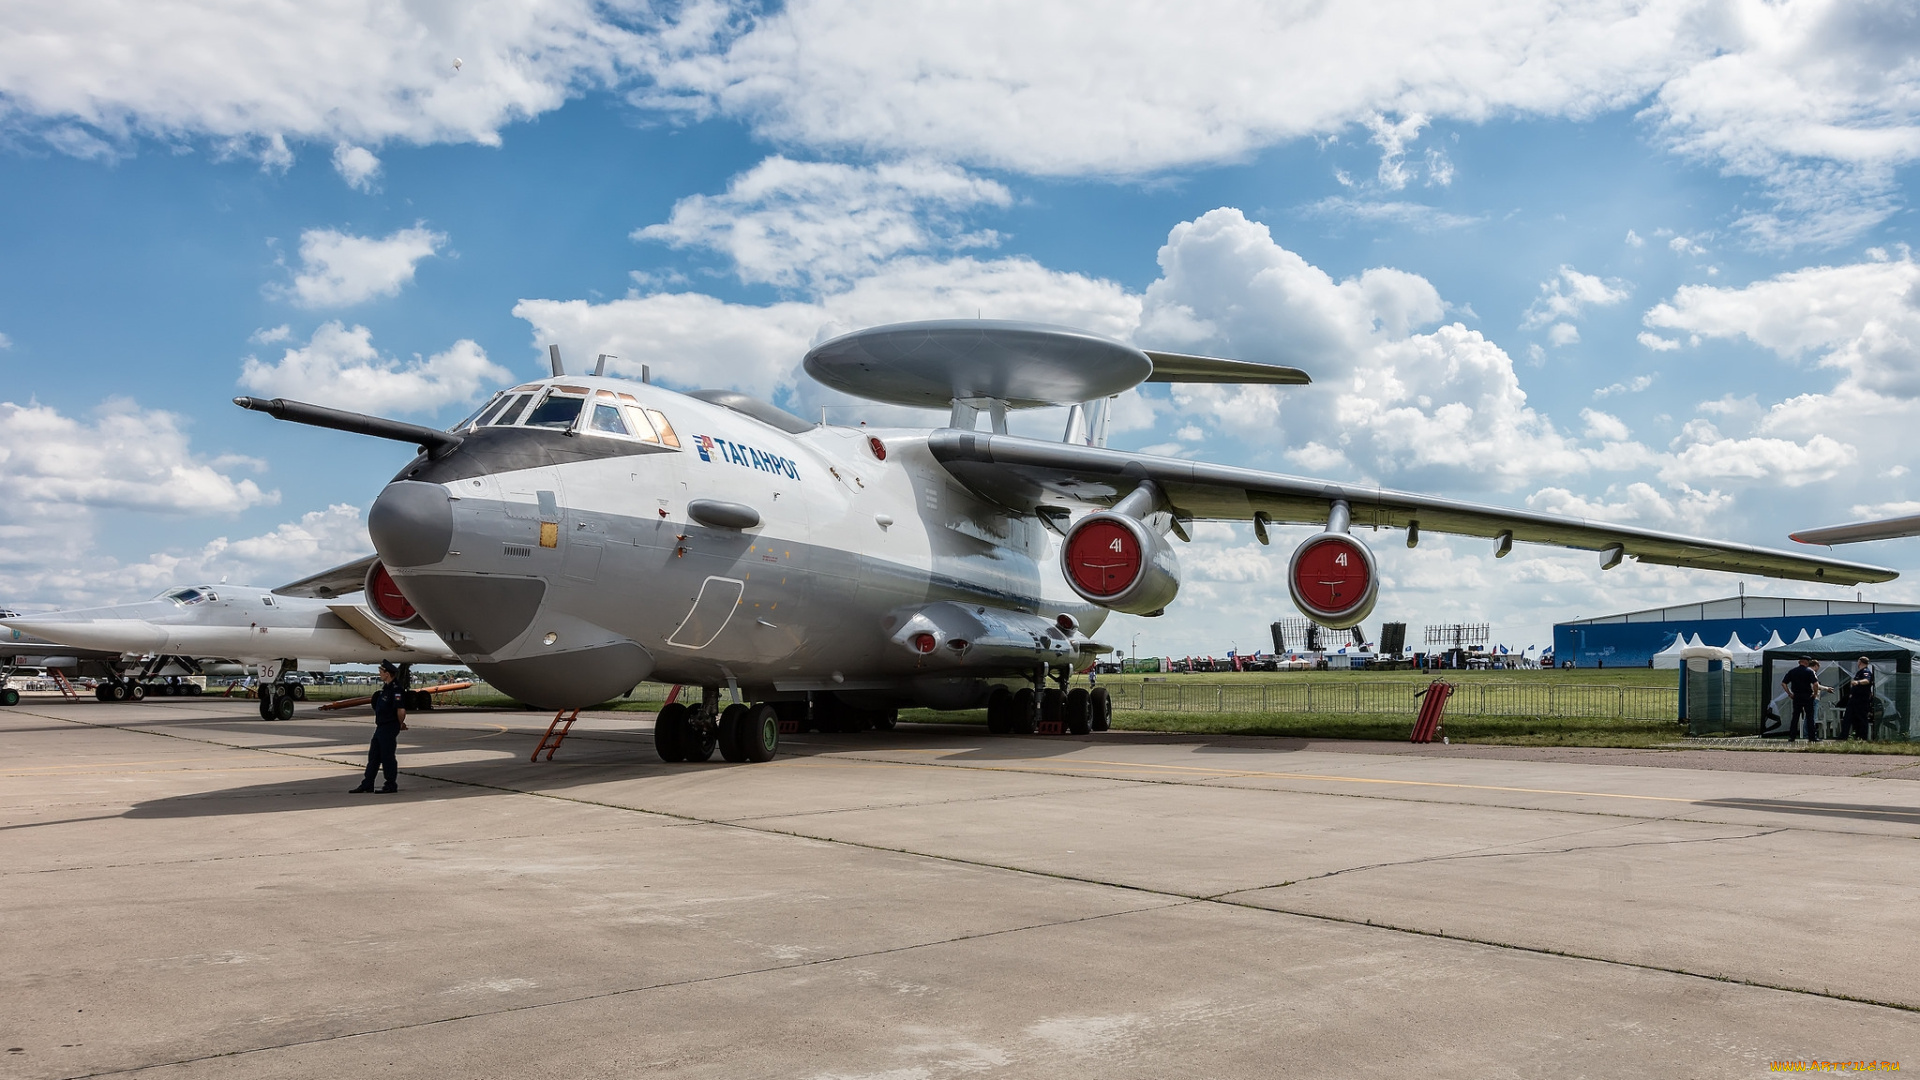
[1669, 657]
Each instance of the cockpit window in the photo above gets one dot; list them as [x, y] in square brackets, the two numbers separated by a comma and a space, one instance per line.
[641, 427]
[189, 597]
[507, 412]
[492, 412]
[474, 417]
[666, 430]
[556, 410]
[606, 420]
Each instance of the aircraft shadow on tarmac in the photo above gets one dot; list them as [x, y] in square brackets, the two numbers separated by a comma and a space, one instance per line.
[1906, 815]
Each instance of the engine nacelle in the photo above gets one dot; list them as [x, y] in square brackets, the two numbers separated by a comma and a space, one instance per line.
[1333, 580]
[1115, 561]
[388, 603]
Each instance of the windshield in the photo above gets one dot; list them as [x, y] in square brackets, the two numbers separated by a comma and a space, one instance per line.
[475, 415]
[556, 411]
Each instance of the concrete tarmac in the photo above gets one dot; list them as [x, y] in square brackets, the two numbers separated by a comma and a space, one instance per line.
[189, 891]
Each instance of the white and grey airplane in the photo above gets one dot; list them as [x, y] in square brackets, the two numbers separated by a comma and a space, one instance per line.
[184, 630]
[580, 534]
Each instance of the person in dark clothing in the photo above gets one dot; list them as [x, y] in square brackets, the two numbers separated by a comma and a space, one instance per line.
[1857, 722]
[389, 719]
[1802, 685]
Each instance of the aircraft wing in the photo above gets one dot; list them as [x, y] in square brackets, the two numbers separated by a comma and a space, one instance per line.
[1028, 473]
[1854, 532]
[327, 584]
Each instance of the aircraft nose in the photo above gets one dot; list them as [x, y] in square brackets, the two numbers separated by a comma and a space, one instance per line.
[411, 523]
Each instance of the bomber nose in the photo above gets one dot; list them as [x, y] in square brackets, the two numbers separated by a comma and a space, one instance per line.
[411, 523]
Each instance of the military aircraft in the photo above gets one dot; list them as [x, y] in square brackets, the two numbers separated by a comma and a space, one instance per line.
[182, 630]
[580, 534]
[21, 651]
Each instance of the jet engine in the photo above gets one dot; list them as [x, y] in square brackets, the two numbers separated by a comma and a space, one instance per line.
[1115, 560]
[1333, 580]
[388, 603]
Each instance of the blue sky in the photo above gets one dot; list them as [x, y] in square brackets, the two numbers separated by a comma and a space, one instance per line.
[1645, 261]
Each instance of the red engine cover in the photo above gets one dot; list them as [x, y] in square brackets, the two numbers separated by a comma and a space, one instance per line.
[386, 597]
[1332, 573]
[1103, 558]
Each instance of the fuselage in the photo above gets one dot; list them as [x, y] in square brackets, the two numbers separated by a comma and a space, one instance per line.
[653, 535]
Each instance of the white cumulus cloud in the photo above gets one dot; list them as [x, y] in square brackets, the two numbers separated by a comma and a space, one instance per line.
[122, 457]
[339, 269]
[1569, 293]
[786, 222]
[339, 366]
[357, 165]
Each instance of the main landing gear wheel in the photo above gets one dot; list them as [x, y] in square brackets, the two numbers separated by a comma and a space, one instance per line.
[671, 733]
[1074, 712]
[300, 692]
[733, 722]
[119, 692]
[103, 692]
[138, 691]
[1023, 702]
[9, 697]
[884, 719]
[283, 707]
[999, 711]
[266, 702]
[1100, 709]
[759, 733]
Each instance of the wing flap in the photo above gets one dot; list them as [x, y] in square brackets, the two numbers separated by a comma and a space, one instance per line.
[369, 627]
[1023, 473]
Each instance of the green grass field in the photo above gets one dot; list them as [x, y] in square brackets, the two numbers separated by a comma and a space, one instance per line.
[1501, 730]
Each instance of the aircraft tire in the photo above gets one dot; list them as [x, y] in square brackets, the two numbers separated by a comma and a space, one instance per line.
[671, 734]
[118, 692]
[283, 707]
[884, 719]
[299, 691]
[1022, 718]
[9, 697]
[1100, 709]
[700, 740]
[103, 692]
[759, 733]
[1075, 712]
[138, 691]
[999, 711]
[195, 690]
[733, 722]
[266, 703]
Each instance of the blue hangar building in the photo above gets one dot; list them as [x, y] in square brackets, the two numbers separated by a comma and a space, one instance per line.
[1630, 639]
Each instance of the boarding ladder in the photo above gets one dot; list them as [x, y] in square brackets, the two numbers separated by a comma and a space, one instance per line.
[556, 733]
[66, 688]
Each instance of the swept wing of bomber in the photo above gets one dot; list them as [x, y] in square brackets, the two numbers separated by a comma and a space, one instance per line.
[1858, 531]
[270, 632]
[580, 534]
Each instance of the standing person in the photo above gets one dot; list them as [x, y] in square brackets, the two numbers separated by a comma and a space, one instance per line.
[1857, 722]
[1802, 684]
[389, 719]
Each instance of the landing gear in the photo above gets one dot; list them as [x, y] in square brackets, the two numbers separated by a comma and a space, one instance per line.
[732, 740]
[1024, 703]
[1074, 713]
[999, 711]
[671, 732]
[103, 692]
[1100, 709]
[9, 697]
[740, 732]
[138, 691]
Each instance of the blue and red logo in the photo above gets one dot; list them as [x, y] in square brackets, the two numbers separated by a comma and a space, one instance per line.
[712, 449]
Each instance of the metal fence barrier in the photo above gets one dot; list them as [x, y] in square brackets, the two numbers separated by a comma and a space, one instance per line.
[1362, 696]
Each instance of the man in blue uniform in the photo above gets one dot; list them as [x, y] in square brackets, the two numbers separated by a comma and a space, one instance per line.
[1857, 721]
[1802, 684]
[389, 718]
